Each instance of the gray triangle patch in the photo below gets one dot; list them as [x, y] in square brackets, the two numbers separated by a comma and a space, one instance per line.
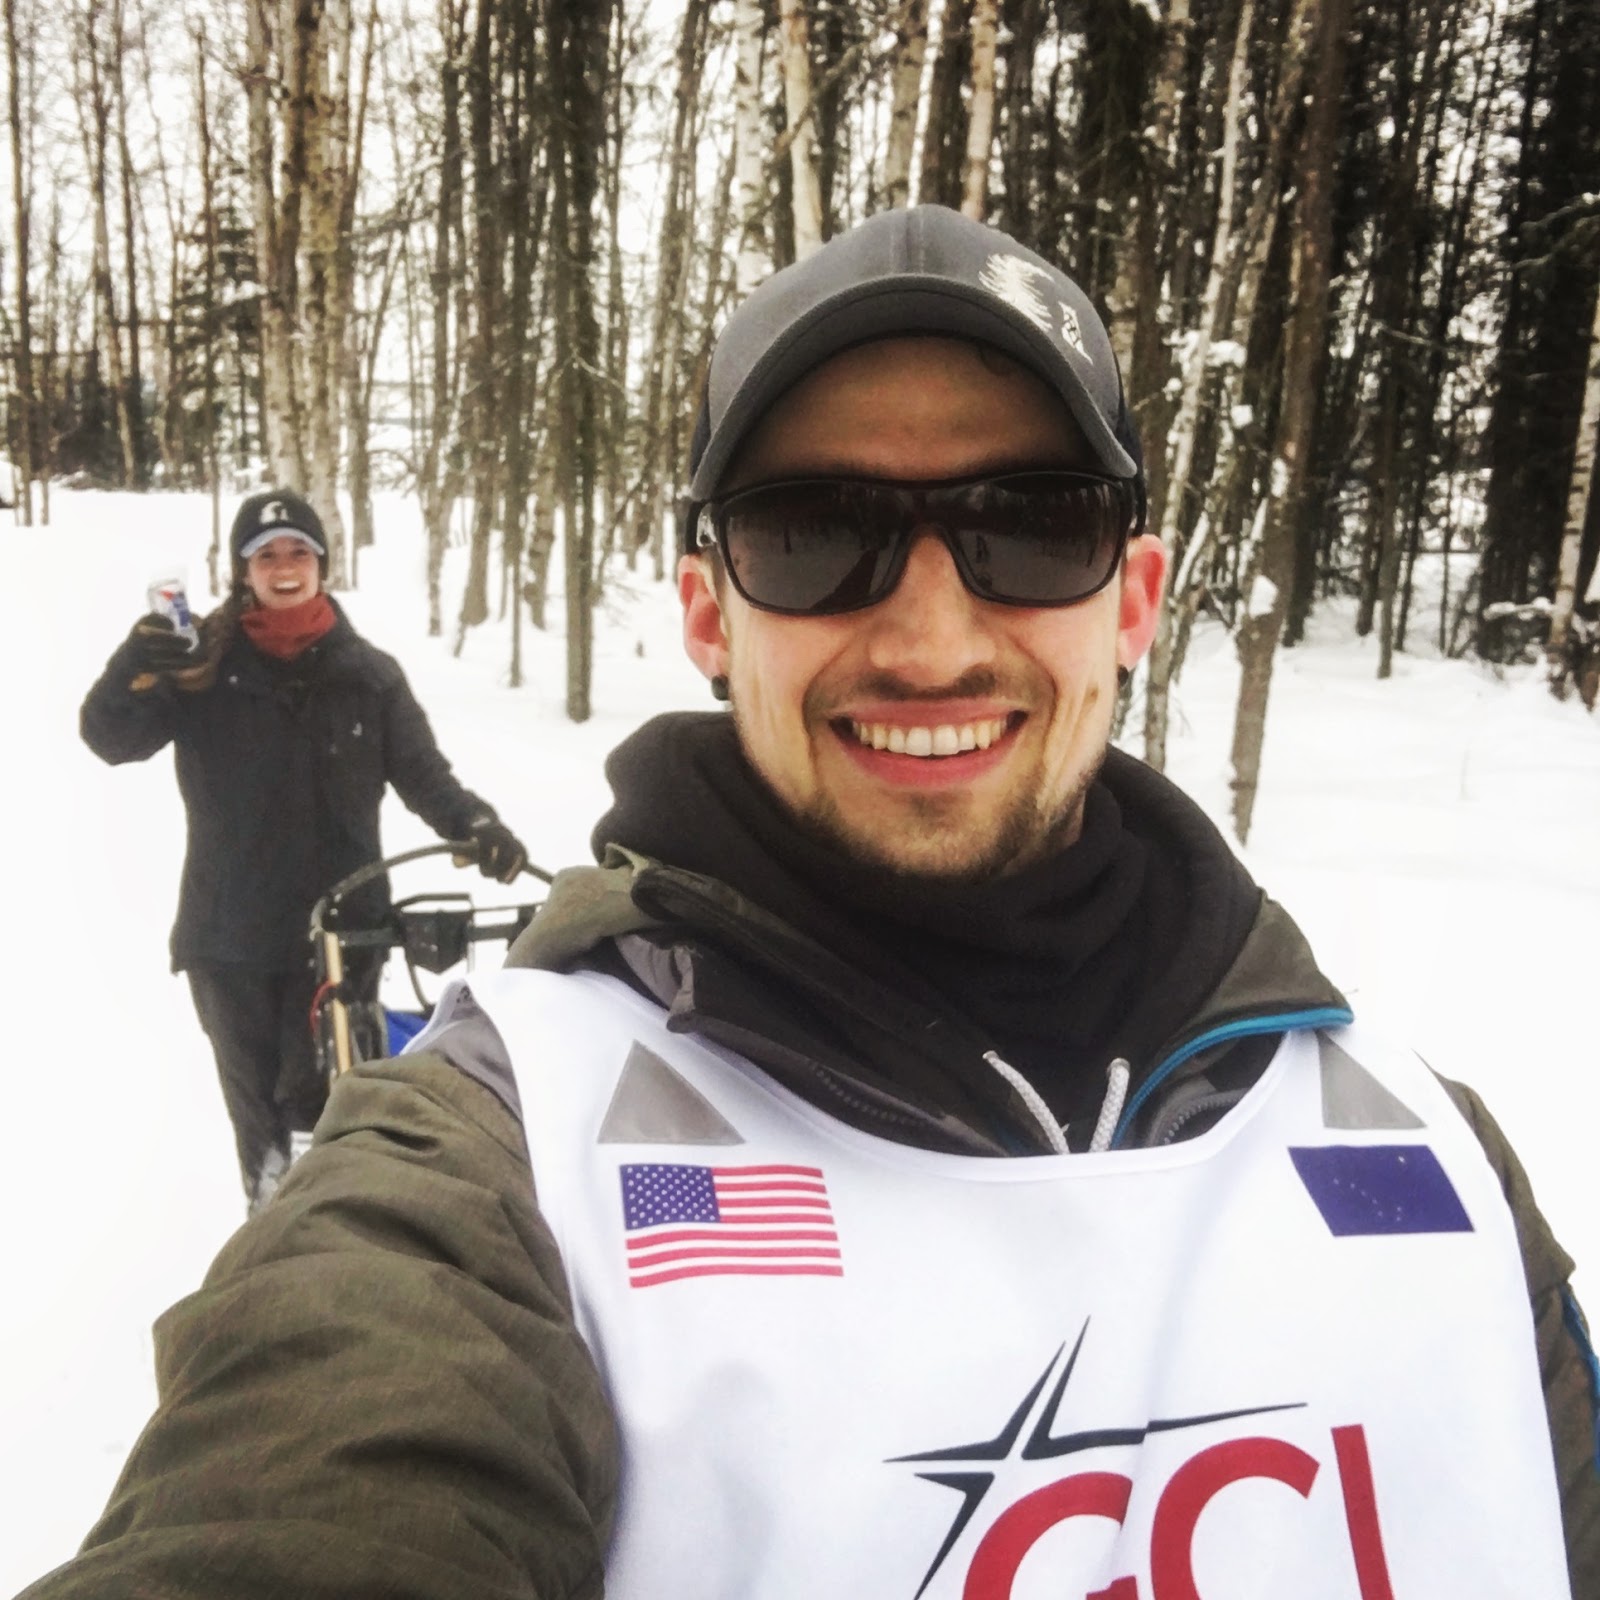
[655, 1105]
[1353, 1098]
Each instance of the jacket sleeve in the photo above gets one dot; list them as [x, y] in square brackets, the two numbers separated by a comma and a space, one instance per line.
[1566, 1357]
[418, 770]
[120, 723]
[379, 1389]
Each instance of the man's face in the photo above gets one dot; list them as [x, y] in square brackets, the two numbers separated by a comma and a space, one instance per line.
[284, 572]
[933, 733]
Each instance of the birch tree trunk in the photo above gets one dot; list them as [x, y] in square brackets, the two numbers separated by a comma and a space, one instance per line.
[363, 383]
[356, 373]
[1267, 590]
[481, 375]
[801, 126]
[133, 394]
[618, 312]
[1135, 300]
[322, 38]
[749, 162]
[1186, 425]
[1229, 302]
[438, 479]
[980, 120]
[163, 437]
[21, 204]
[50, 362]
[911, 49]
[673, 255]
[208, 304]
[275, 246]
[1395, 303]
[524, 223]
[95, 117]
[944, 137]
[577, 84]
[1579, 490]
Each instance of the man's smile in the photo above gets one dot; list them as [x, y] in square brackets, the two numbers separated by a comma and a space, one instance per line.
[925, 741]
[922, 747]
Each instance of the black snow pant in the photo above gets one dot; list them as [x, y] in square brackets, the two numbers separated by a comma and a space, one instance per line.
[259, 1025]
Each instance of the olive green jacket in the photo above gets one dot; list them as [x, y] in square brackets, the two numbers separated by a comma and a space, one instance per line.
[379, 1390]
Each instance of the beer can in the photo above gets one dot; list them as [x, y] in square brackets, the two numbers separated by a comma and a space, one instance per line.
[167, 597]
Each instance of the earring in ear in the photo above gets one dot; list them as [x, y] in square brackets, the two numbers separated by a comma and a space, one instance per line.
[719, 687]
[1123, 675]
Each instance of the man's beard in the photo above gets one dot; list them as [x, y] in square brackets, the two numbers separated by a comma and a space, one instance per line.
[1019, 835]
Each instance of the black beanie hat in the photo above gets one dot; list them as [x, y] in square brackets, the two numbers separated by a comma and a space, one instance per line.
[267, 514]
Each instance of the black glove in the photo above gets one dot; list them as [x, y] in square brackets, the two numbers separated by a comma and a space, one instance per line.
[501, 854]
[155, 647]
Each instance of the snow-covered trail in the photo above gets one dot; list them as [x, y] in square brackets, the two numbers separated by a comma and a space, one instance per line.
[1436, 837]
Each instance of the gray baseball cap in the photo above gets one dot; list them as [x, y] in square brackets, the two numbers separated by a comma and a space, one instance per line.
[922, 270]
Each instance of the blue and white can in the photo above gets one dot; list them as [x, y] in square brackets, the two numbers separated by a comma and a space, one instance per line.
[167, 597]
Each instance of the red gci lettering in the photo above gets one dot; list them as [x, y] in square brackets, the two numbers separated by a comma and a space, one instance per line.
[1192, 1489]
[1020, 1527]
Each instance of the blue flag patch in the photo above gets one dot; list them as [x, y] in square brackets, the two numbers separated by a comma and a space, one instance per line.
[1379, 1189]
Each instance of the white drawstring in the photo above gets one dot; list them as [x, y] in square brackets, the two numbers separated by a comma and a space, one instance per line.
[1117, 1075]
[1030, 1098]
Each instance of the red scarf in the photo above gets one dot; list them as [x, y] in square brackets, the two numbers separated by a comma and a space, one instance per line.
[284, 633]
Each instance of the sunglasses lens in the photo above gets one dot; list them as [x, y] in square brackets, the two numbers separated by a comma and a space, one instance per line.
[824, 546]
[1041, 539]
[815, 547]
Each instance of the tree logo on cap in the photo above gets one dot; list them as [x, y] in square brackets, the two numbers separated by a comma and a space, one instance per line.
[1015, 281]
[1018, 284]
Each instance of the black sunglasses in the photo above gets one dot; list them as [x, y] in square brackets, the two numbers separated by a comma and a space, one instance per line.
[816, 547]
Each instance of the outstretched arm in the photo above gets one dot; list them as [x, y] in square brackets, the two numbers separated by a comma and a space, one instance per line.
[419, 771]
[379, 1389]
[120, 722]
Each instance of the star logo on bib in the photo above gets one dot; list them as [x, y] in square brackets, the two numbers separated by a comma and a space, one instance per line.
[1029, 1435]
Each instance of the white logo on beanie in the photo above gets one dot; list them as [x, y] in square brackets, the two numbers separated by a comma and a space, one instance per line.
[1014, 280]
[1072, 331]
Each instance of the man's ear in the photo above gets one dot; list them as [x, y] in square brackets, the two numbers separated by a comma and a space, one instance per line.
[705, 630]
[1144, 575]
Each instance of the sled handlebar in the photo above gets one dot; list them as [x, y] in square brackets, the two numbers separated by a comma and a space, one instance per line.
[465, 852]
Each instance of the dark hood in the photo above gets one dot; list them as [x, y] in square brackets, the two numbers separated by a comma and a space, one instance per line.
[1099, 951]
[1130, 943]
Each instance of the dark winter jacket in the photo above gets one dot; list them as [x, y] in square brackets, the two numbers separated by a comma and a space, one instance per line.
[282, 768]
[380, 1391]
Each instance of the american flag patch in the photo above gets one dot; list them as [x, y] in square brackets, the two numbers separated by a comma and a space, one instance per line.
[702, 1222]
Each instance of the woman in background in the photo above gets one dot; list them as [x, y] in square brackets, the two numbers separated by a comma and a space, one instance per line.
[287, 727]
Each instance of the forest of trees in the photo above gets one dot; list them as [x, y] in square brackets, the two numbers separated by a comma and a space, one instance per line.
[477, 250]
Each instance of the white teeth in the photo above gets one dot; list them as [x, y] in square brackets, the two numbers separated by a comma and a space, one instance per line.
[944, 740]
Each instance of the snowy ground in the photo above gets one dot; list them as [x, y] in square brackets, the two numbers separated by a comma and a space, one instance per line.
[1436, 836]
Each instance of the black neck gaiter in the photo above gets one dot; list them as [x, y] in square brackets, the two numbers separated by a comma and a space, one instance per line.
[1102, 950]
